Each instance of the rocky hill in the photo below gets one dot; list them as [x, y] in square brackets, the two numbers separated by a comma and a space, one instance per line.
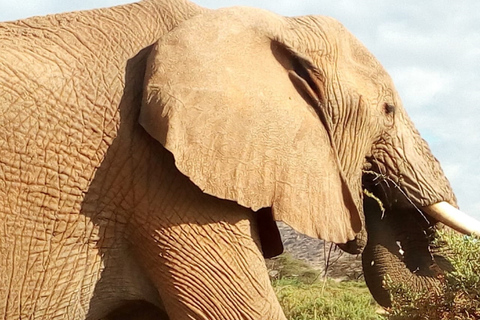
[320, 254]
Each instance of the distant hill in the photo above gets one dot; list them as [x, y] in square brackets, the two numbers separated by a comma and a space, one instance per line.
[319, 254]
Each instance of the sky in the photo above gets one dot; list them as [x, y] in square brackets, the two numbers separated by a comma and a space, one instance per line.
[431, 48]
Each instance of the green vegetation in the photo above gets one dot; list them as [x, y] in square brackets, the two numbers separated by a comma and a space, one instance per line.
[460, 298]
[325, 300]
[287, 267]
[305, 295]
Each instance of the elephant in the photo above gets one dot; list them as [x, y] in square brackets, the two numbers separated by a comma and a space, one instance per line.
[148, 149]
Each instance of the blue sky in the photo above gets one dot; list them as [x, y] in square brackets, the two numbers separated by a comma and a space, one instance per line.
[431, 48]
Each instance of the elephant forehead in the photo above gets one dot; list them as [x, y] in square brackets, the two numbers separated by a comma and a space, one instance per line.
[338, 53]
[361, 68]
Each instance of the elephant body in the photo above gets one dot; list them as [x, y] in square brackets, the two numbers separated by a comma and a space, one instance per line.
[137, 170]
[87, 228]
[66, 193]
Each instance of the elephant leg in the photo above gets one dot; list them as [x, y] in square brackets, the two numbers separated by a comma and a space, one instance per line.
[206, 262]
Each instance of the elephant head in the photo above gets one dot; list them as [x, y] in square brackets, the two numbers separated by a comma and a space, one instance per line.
[296, 115]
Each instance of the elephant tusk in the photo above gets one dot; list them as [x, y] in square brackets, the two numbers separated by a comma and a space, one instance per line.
[454, 218]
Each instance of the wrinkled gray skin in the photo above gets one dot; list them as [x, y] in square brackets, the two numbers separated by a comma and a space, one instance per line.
[73, 158]
[246, 116]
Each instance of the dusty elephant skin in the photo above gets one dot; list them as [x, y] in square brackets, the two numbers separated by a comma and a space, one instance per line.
[146, 150]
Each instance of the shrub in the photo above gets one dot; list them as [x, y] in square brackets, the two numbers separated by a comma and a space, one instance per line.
[460, 298]
[287, 267]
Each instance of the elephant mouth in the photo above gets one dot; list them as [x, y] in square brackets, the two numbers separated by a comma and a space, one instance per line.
[402, 240]
[388, 193]
[401, 247]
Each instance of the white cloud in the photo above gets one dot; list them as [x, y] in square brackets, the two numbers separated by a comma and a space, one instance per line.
[418, 86]
[452, 170]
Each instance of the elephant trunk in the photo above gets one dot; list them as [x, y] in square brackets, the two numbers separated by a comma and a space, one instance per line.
[399, 249]
[379, 262]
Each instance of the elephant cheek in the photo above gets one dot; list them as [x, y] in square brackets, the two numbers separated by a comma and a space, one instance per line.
[407, 165]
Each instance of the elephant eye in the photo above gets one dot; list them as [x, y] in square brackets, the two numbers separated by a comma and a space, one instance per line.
[389, 108]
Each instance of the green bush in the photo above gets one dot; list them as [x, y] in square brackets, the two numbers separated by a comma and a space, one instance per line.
[460, 298]
[305, 295]
[287, 267]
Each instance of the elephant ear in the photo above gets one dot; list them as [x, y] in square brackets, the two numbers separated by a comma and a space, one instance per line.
[219, 95]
